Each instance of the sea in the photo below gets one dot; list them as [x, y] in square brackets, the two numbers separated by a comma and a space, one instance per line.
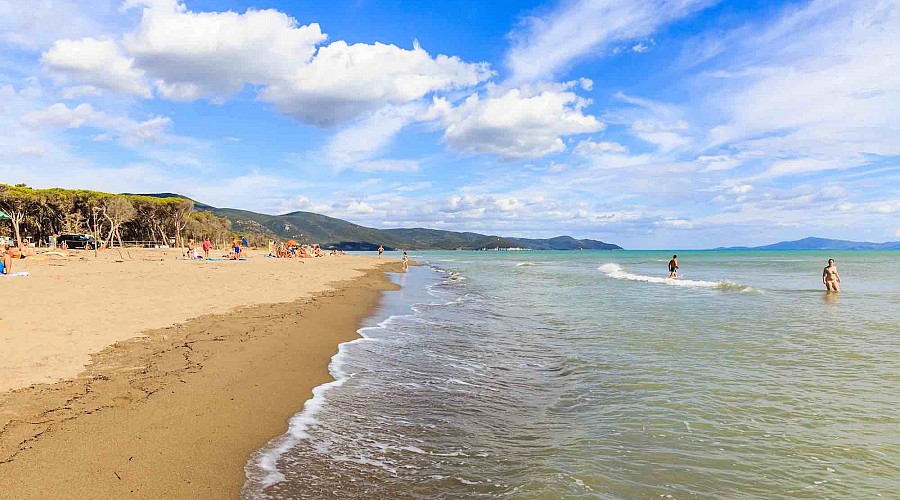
[589, 375]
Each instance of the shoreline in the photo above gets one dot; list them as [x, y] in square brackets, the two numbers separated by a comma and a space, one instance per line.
[177, 411]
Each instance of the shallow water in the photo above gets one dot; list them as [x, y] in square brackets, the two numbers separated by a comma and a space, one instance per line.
[589, 375]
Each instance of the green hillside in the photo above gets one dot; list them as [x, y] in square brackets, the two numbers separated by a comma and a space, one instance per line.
[308, 227]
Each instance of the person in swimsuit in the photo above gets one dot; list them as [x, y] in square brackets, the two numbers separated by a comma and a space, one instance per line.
[206, 246]
[673, 267]
[405, 262]
[831, 278]
[380, 250]
[5, 261]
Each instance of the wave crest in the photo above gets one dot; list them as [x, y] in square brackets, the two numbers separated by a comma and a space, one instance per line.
[616, 271]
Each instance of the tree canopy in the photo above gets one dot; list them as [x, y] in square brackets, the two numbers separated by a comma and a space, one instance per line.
[113, 218]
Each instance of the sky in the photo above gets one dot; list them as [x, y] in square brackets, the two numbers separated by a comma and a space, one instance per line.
[647, 123]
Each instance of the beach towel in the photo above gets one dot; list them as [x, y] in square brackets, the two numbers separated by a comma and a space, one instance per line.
[20, 274]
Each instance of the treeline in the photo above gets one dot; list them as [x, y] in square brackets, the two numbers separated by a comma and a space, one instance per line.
[113, 219]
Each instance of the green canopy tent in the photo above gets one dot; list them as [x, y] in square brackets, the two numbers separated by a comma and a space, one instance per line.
[3, 217]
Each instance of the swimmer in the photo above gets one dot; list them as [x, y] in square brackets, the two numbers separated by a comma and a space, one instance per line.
[673, 267]
[831, 278]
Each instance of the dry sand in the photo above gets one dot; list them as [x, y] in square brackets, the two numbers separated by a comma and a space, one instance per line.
[51, 321]
[175, 411]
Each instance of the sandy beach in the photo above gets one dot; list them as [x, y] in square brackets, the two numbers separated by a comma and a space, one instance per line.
[137, 375]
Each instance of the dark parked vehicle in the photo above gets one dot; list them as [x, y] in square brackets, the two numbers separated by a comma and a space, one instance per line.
[76, 241]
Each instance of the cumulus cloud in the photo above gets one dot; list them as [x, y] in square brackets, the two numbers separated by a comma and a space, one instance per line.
[545, 45]
[344, 81]
[98, 63]
[514, 124]
[131, 132]
[186, 55]
[214, 54]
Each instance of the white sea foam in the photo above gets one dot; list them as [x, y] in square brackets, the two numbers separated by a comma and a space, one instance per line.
[525, 264]
[263, 468]
[616, 271]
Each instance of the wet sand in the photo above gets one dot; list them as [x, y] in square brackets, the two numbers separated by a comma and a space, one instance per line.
[175, 412]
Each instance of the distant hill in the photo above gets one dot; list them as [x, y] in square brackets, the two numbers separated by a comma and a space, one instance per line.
[823, 244]
[331, 232]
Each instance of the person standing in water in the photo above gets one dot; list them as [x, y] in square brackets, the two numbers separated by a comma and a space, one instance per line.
[673, 267]
[380, 250]
[831, 278]
[405, 262]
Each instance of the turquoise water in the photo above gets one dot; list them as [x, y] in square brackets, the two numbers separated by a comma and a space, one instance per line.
[588, 375]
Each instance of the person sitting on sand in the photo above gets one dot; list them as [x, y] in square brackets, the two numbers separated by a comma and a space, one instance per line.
[831, 278]
[5, 260]
[673, 267]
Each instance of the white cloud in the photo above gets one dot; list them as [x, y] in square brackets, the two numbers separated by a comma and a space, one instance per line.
[130, 132]
[676, 224]
[741, 189]
[98, 63]
[640, 48]
[214, 54]
[79, 91]
[666, 136]
[36, 151]
[547, 45]
[343, 81]
[60, 115]
[191, 55]
[34, 25]
[818, 88]
[515, 124]
[588, 147]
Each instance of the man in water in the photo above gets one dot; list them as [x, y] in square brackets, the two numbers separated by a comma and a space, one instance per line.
[831, 278]
[380, 250]
[673, 267]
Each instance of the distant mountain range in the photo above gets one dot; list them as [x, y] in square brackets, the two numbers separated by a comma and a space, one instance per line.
[822, 244]
[331, 232]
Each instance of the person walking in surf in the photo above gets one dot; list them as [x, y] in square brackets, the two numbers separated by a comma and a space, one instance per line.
[831, 278]
[673, 267]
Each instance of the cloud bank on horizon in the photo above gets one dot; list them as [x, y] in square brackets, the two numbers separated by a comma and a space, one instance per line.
[648, 123]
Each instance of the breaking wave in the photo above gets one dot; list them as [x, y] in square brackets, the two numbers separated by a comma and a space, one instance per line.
[616, 271]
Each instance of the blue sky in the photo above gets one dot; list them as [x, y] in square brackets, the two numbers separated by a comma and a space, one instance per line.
[647, 123]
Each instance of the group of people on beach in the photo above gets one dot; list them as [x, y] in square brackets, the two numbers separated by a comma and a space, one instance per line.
[830, 276]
